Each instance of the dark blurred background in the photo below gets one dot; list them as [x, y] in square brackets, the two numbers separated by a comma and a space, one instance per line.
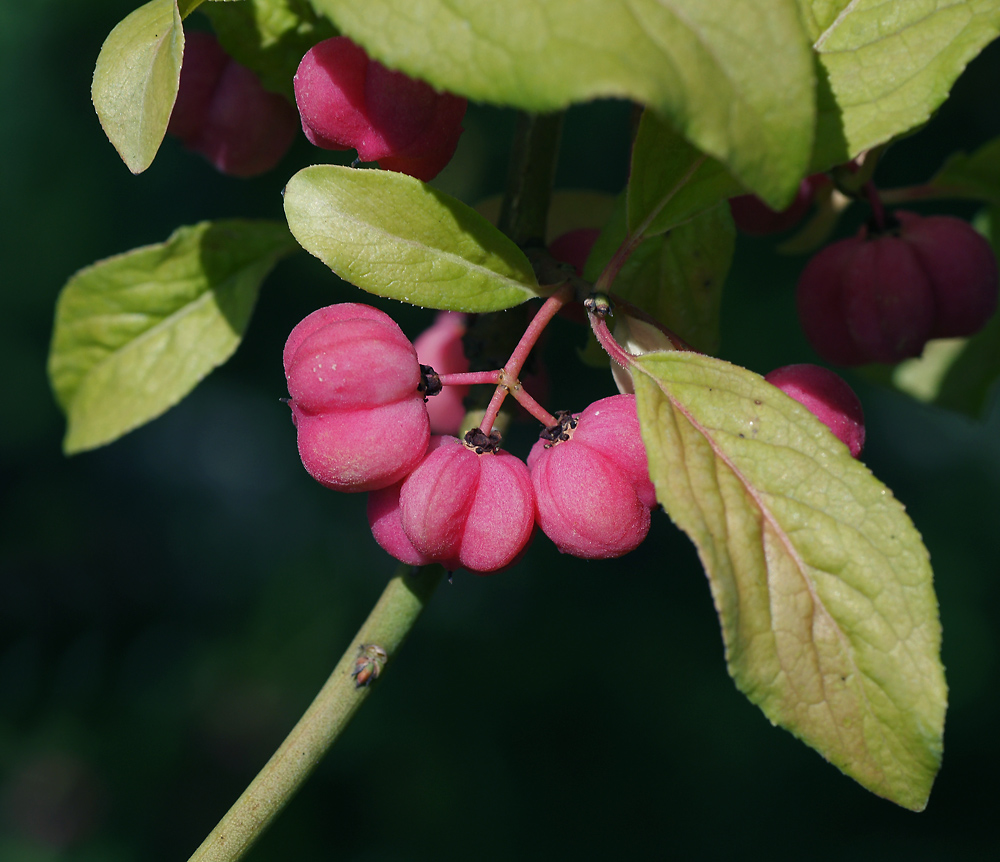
[170, 604]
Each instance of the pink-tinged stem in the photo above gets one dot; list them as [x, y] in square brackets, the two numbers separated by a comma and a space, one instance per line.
[509, 380]
[523, 397]
[470, 378]
[607, 341]
[878, 211]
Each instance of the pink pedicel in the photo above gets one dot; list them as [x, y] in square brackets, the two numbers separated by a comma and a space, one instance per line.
[356, 400]
[347, 101]
[459, 507]
[440, 347]
[224, 113]
[828, 396]
[593, 494]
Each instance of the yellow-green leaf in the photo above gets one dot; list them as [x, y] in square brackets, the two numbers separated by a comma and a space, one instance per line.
[822, 584]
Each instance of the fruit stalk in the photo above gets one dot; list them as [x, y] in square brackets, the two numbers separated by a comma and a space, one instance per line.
[345, 690]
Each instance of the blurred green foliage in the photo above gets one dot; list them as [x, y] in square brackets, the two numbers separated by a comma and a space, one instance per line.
[169, 604]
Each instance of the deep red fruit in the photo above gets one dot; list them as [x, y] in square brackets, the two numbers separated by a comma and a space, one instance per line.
[458, 507]
[828, 396]
[440, 347]
[880, 297]
[347, 101]
[356, 402]
[961, 267]
[574, 247]
[756, 218]
[593, 494]
[223, 112]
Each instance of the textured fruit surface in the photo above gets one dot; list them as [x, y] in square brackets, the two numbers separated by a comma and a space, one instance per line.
[440, 347]
[464, 509]
[458, 508]
[347, 101]
[354, 383]
[593, 494]
[224, 113]
[828, 396]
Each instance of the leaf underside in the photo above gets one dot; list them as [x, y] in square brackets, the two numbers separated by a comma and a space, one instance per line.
[822, 584]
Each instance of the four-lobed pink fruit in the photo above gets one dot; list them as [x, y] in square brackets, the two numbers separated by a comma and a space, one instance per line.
[347, 101]
[828, 396]
[356, 397]
[593, 494]
[879, 297]
[224, 113]
[462, 506]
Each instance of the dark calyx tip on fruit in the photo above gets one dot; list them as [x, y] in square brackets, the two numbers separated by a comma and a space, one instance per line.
[560, 431]
[482, 443]
[430, 383]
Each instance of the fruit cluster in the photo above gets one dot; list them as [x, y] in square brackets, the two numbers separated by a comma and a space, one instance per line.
[359, 404]
[880, 295]
[224, 113]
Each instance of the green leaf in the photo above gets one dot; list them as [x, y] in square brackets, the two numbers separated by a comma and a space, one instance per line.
[136, 332]
[734, 77]
[822, 584]
[136, 78]
[677, 277]
[671, 181]
[885, 67]
[269, 36]
[393, 236]
[976, 176]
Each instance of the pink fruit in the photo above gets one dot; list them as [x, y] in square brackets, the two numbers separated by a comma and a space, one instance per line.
[462, 506]
[593, 494]
[223, 112]
[347, 101]
[356, 400]
[879, 297]
[828, 397]
[440, 347]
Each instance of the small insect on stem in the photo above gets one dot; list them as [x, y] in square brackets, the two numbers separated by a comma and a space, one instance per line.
[371, 659]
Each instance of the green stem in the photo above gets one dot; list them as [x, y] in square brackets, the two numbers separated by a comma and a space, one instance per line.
[387, 625]
[530, 175]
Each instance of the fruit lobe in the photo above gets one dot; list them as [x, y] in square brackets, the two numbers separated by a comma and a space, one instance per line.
[347, 101]
[828, 396]
[223, 112]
